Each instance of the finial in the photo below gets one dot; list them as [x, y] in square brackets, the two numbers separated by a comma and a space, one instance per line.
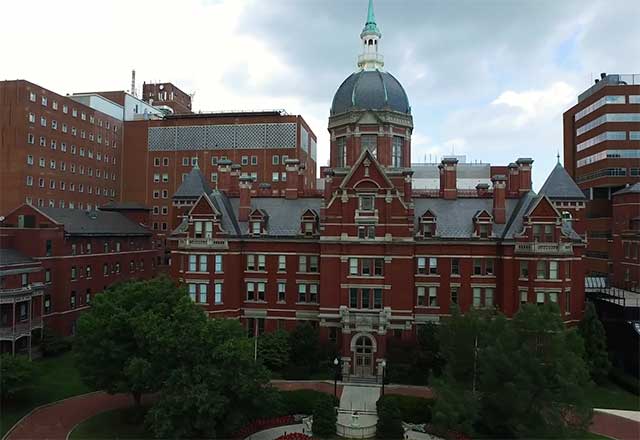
[371, 27]
[558, 156]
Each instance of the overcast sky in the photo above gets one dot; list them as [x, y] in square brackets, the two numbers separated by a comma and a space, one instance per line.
[488, 79]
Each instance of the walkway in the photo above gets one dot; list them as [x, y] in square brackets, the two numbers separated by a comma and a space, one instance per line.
[274, 433]
[617, 424]
[361, 398]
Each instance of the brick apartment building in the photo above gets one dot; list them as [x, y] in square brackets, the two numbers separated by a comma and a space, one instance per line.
[53, 260]
[602, 154]
[371, 258]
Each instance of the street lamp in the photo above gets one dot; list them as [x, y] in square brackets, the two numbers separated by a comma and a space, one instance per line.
[384, 366]
[336, 362]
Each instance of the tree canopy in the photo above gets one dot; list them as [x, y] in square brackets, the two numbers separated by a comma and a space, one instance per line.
[595, 344]
[16, 373]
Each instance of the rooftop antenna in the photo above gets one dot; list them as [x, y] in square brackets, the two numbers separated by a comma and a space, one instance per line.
[133, 82]
[558, 156]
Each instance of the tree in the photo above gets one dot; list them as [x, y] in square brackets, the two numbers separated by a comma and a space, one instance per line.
[305, 349]
[111, 348]
[389, 419]
[455, 408]
[16, 374]
[595, 344]
[273, 349]
[324, 417]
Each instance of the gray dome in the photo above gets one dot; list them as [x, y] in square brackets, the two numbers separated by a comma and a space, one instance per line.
[370, 90]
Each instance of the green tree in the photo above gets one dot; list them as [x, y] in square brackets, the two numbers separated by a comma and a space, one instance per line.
[595, 344]
[273, 349]
[324, 417]
[16, 374]
[456, 408]
[212, 384]
[389, 419]
[429, 356]
[111, 349]
[305, 351]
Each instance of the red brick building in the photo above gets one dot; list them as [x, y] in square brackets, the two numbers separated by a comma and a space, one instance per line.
[166, 96]
[602, 154]
[625, 244]
[371, 259]
[55, 259]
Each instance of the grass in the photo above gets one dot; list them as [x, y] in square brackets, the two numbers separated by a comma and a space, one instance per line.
[593, 436]
[117, 424]
[611, 396]
[55, 378]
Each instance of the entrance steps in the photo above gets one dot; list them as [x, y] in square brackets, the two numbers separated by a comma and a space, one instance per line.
[368, 381]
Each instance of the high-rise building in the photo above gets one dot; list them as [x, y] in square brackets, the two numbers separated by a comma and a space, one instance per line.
[602, 154]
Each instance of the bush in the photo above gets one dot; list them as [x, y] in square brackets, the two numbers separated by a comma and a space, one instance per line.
[623, 380]
[413, 409]
[16, 373]
[324, 417]
[53, 344]
[304, 401]
[273, 350]
[389, 418]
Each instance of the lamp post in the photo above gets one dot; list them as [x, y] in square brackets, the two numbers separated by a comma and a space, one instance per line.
[384, 366]
[336, 362]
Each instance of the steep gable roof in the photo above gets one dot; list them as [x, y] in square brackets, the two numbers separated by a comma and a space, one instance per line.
[193, 185]
[635, 188]
[559, 185]
[373, 164]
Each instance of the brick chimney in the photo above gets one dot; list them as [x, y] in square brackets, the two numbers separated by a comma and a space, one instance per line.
[291, 191]
[264, 189]
[448, 176]
[244, 183]
[301, 176]
[235, 178]
[524, 170]
[224, 174]
[513, 184]
[328, 183]
[482, 189]
[499, 198]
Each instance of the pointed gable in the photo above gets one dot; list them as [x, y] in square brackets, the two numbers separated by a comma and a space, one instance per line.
[428, 216]
[560, 186]
[204, 207]
[366, 173]
[542, 208]
[483, 216]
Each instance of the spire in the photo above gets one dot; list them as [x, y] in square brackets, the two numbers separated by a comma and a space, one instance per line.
[371, 27]
[371, 59]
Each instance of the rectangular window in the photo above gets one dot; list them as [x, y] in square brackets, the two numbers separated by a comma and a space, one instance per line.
[524, 269]
[477, 266]
[477, 294]
[455, 266]
[302, 263]
[537, 232]
[396, 156]
[203, 263]
[251, 296]
[275, 160]
[353, 298]
[218, 263]
[261, 289]
[282, 263]
[302, 293]
[541, 270]
[370, 142]
[72, 299]
[488, 297]
[282, 292]
[433, 265]
[539, 298]
[47, 304]
[74, 273]
[367, 203]
[313, 293]
[454, 295]
[365, 295]
[261, 262]
[192, 292]
[378, 266]
[422, 265]
[313, 263]
[341, 152]
[433, 296]
[421, 300]
[548, 233]
[251, 262]
[193, 263]
[47, 276]
[553, 270]
[524, 297]
[377, 298]
[254, 160]
[567, 302]
[203, 293]
[275, 176]
[217, 293]
[353, 266]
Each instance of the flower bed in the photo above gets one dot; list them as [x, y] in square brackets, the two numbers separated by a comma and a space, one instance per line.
[294, 436]
[262, 424]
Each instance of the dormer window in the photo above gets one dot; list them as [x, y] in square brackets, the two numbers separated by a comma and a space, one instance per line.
[367, 202]
[428, 224]
[258, 222]
[256, 227]
[483, 230]
[483, 224]
[309, 222]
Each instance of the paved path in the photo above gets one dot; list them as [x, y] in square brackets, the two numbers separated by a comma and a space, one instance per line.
[617, 424]
[359, 398]
[274, 433]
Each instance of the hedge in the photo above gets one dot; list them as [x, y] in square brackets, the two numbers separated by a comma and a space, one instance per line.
[303, 401]
[413, 409]
[625, 381]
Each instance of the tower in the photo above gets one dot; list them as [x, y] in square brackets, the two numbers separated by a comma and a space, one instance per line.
[371, 57]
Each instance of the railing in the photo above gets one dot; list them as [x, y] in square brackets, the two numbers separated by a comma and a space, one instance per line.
[368, 57]
[23, 329]
[535, 247]
[203, 243]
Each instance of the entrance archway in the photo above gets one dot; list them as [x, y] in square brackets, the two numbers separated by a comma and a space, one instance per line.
[363, 347]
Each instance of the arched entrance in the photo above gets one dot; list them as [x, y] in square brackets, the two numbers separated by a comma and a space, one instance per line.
[363, 347]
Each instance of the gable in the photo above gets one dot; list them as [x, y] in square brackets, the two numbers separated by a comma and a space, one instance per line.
[483, 216]
[367, 173]
[369, 118]
[40, 219]
[543, 208]
[204, 207]
[428, 216]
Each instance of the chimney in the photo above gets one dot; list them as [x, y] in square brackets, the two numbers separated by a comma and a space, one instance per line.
[328, 183]
[482, 189]
[448, 189]
[407, 185]
[499, 198]
[224, 175]
[291, 191]
[513, 182]
[244, 183]
[524, 170]
[264, 189]
[301, 177]
[235, 178]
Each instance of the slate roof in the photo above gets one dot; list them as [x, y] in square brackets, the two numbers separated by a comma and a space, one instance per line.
[193, 185]
[560, 185]
[370, 90]
[80, 222]
[11, 257]
[284, 215]
[635, 188]
[124, 206]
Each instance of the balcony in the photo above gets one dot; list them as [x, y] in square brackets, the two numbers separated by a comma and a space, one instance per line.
[19, 294]
[370, 58]
[535, 247]
[203, 243]
[20, 330]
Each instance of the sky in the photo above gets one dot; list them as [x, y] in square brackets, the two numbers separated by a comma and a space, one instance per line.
[488, 79]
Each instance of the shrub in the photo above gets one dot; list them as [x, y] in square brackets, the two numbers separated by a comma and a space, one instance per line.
[389, 418]
[304, 401]
[625, 381]
[53, 344]
[16, 373]
[413, 409]
[324, 416]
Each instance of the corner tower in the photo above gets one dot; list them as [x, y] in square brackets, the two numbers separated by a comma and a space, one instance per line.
[370, 110]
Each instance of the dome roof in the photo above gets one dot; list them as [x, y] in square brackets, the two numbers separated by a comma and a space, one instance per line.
[370, 90]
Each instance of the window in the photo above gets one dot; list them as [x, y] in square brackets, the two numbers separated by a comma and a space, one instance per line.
[488, 297]
[477, 294]
[275, 160]
[218, 263]
[483, 230]
[217, 293]
[341, 152]
[43, 121]
[31, 139]
[275, 176]
[524, 269]
[72, 299]
[244, 160]
[214, 160]
[454, 295]
[32, 118]
[377, 298]
[302, 293]
[105, 269]
[47, 276]
[185, 161]
[548, 233]
[202, 291]
[282, 292]
[29, 160]
[524, 297]
[156, 162]
[48, 248]
[165, 178]
[29, 180]
[44, 101]
[396, 155]
[433, 265]
[251, 262]
[192, 292]
[47, 304]
[87, 296]
[455, 266]
[74, 273]
[256, 228]
[370, 142]
[32, 97]
[541, 270]
[553, 270]
[302, 263]
[477, 266]
[203, 263]
[422, 261]
[282, 263]
[488, 267]
[313, 293]
[353, 298]
[567, 302]
[367, 232]
[539, 298]
[433, 296]
[367, 203]
[254, 160]
[261, 262]
[421, 296]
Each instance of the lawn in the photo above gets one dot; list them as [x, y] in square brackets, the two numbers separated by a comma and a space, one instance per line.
[611, 396]
[115, 424]
[55, 378]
